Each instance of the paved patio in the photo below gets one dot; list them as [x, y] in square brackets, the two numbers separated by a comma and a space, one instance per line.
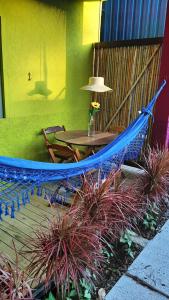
[148, 276]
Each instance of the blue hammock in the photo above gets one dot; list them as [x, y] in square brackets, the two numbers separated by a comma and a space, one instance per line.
[19, 178]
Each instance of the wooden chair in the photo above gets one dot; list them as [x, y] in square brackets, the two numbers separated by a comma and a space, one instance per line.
[117, 128]
[52, 129]
[58, 152]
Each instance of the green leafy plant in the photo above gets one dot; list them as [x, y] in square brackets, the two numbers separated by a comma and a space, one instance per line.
[126, 239]
[107, 251]
[85, 289]
[84, 293]
[150, 218]
[50, 297]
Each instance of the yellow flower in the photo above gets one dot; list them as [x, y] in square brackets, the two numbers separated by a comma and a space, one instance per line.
[95, 105]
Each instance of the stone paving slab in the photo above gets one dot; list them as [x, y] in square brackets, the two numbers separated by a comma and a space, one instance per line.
[131, 172]
[152, 265]
[127, 289]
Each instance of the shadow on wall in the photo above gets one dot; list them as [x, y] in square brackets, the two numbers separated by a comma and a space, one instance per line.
[62, 65]
[41, 71]
[60, 4]
[52, 30]
[58, 56]
[41, 85]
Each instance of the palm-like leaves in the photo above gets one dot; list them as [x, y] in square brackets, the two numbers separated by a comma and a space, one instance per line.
[14, 284]
[110, 210]
[64, 252]
[155, 181]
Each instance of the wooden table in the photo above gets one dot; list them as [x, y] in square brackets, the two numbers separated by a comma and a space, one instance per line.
[80, 138]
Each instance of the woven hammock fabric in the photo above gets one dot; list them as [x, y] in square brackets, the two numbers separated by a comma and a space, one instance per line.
[19, 178]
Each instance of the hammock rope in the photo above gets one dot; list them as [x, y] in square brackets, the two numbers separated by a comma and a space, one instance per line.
[20, 179]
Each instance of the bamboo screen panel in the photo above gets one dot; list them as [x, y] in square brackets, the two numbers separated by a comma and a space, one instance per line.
[132, 72]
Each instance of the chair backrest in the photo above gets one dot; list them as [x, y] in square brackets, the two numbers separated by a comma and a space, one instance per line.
[57, 151]
[52, 129]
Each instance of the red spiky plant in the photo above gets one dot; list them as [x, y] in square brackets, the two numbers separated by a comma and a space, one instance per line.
[155, 181]
[14, 283]
[89, 199]
[73, 244]
[64, 252]
[127, 207]
[106, 205]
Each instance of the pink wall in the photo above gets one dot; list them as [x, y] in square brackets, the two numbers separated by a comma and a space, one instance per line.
[160, 134]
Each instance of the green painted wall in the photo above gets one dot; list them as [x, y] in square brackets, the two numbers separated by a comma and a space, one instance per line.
[51, 40]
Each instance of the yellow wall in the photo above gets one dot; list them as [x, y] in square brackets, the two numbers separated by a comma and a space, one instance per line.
[52, 42]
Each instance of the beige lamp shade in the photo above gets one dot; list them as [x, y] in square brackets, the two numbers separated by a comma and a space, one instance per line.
[96, 84]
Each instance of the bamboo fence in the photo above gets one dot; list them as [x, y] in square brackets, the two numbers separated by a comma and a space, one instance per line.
[131, 69]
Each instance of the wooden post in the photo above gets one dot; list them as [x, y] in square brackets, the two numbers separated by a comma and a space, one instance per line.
[160, 132]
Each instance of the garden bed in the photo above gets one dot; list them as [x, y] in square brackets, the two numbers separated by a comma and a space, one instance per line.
[126, 249]
[119, 263]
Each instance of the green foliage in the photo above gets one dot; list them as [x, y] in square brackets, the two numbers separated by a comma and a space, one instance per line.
[150, 218]
[51, 297]
[84, 292]
[108, 253]
[85, 288]
[126, 239]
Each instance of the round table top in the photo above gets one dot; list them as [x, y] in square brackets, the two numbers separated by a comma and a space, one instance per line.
[80, 137]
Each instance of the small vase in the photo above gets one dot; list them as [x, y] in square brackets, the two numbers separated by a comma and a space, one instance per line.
[91, 126]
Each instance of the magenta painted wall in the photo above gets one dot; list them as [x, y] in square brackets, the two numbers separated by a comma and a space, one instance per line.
[160, 134]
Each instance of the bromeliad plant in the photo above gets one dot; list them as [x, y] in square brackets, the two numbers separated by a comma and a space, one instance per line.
[101, 205]
[155, 181]
[64, 252]
[14, 283]
[91, 198]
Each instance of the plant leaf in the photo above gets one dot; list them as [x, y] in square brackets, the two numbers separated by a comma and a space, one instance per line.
[51, 297]
[73, 293]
